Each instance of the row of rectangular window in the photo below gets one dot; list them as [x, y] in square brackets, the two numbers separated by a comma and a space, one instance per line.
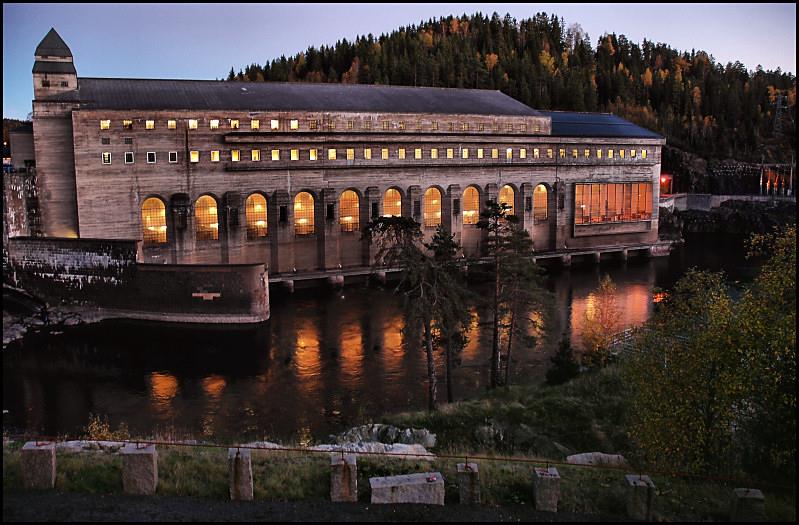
[316, 124]
[418, 153]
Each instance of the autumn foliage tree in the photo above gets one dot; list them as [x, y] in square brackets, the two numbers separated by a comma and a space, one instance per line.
[601, 323]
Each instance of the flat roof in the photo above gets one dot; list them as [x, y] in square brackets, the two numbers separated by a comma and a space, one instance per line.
[576, 124]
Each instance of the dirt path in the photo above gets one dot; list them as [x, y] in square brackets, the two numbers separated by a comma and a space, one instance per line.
[61, 506]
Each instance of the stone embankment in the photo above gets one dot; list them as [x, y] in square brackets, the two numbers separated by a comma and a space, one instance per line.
[739, 218]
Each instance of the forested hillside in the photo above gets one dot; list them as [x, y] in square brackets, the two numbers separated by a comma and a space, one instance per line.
[701, 106]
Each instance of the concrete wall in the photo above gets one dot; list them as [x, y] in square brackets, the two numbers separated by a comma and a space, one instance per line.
[706, 201]
[22, 150]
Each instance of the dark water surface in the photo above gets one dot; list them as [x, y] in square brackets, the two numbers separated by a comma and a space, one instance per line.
[325, 361]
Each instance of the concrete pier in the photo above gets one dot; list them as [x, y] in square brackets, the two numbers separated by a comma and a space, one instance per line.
[546, 488]
[343, 477]
[139, 469]
[640, 493]
[38, 465]
[240, 470]
[469, 483]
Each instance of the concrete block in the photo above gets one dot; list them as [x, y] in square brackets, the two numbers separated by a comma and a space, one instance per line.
[640, 494]
[546, 488]
[240, 469]
[343, 477]
[38, 465]
[747, 505]
[426, 487]
[139, 469]
[469, 483]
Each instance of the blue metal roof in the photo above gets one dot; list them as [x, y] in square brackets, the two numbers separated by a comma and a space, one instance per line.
[574, 124]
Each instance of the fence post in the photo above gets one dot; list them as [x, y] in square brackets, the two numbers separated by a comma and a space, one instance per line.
[38, 465]
[640, 493]
[139, 469]
[343, 477]
[240, 469]
[546, 488]
[469, 483]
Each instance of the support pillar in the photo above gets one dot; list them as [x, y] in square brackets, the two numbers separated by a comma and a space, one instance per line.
[281, 232]
[139, 469]
[240, 469]
[329, 229]
[38, 465]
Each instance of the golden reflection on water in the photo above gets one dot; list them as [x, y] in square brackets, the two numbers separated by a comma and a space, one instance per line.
[393, 350]
[213, 386]
[163, 387]
[633, 301]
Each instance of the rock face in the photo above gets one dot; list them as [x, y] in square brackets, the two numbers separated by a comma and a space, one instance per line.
[469, 483]
[139, 469]
[38, 465]
[426, 488]
[240, 470]
[387, 434]
[546, 488]
[597, 458]
[343, 478]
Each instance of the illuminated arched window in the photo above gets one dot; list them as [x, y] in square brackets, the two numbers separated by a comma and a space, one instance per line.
[471, 205]
[392, 203]
[540, 203]
[506, 195]
[348, 211]
[255, 211]
[303, 213]
[432, 207]
[206, 219]
[153, 220]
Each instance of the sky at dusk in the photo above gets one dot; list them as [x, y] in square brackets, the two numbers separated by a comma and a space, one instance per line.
[203, 41]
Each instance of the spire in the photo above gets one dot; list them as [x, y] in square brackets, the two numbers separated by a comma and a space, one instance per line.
[53, 45]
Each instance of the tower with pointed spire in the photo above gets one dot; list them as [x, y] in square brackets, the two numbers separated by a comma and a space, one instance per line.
[53, 71]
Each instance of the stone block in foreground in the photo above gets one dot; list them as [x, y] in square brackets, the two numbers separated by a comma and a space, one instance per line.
[469, 483]
[747, 505]
[240, 469]
[426, 487]
[139, 469]
[546, 488]
[343, 477]
[640, 494]
[38, 465]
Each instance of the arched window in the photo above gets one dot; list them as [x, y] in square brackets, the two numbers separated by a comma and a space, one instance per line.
[303, 213]
[506, 196]
[206, 219]
[432, 208]
[153, 221]
[471, 205]
[255, 211]
[348, 211]
[540, 203]
[392, 203]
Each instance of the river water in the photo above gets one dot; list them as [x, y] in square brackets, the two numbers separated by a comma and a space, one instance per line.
[325, 361]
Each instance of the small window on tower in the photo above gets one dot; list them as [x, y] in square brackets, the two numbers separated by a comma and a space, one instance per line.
[215, 124]
[255, 155]
[149, 124]
[367, 153]
[294, 124]
[127, 124]
[194, 156]
[105, 124]
[384, 153]
[275, 154]
[235, 155]
[234, 124]
[295, 154]
[350, 154]
[312, 155]
[192, 123]
[255, 125]
[331, 154]
[171, 124]
[106, 157]
[274, 124]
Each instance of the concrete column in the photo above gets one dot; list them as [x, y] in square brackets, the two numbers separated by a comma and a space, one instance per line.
[469, 483]
[139, 469]
[343, 477]
[232, 226]
[747, 505]
[525, 212]
[240, 469]
[566, 260]
[449, 219]
[412, 204]
[546, 488]
[38, 465]
[281, 232]
[597, 257]
[625, 254]
[328, 230]
[372, 201]
[640, 493]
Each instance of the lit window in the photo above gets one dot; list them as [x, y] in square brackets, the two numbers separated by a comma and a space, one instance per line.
[401, 153]
[432, 208]
[506, 196]
[621, 153]
[350, 154]
[471, 205]
[610, 153]
[255, 155]
[574, 154]
[367, 124]
[599, 153]
[215, 124]
[331, 154]
[367, 153]
[171, 124]
[523, 153]
[331, 124]
[509, 153]
[348, 211]
[434, 125]
[450, 153]
[522, 127]
[536, 153]
[417, 153]
[465, 153]
[150, 157]
[173, 157]
[384, 153]
[128, 157]
[632, 153]
[643, 153]
[149, 124]
[550, 153]
[392, 203]
[153, 219]
[481, 127]
[234, 124]
[479, 153]
[206, 219]
[255, 125]
[312, 154]
[303, 213]
[194, 156]
[214, 156]
[494, 153]
[106, 157]
[295, 154]
[294, 124]
[255, 213]
[509, 126]
[401, 125]
[562, 153]
[105, 124]
[192, 123]
[386, 125]
[274, 124]
[235, 155]
[127, 124]
[313, 124]
[451, 126]
[418, 125]
[587, 153]
[540, 203]
[434, 153]
[275, 154]
[350, 124]
[464, 126]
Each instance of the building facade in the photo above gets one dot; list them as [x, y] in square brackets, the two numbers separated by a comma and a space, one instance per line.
[288, 174]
